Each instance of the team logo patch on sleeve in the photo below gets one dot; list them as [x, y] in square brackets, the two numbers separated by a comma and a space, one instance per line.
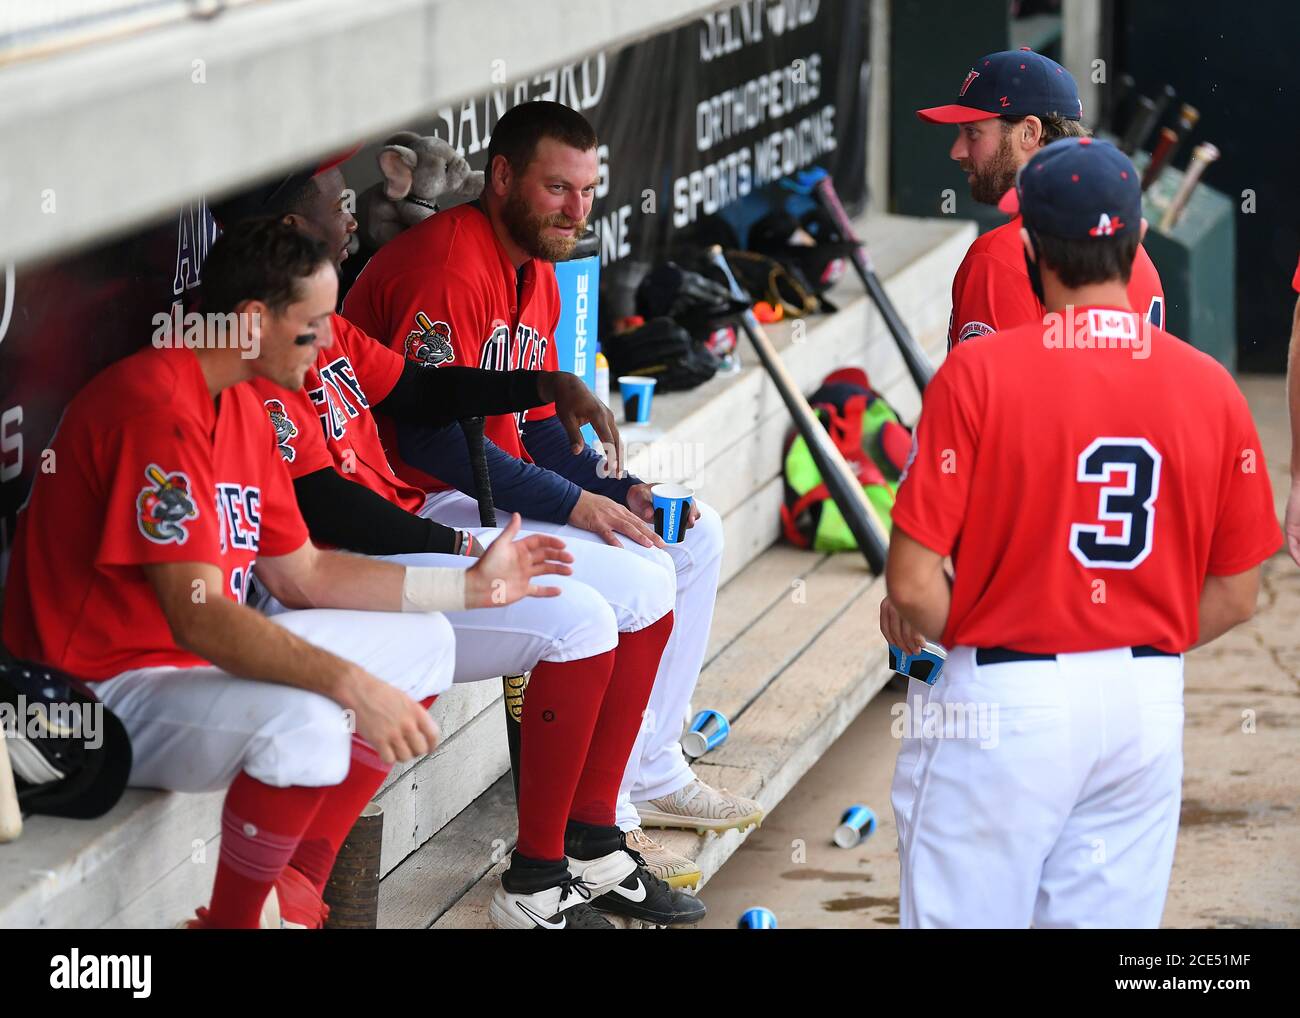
[972, 329]
[429, 345]
[285, 430]
[163, 506]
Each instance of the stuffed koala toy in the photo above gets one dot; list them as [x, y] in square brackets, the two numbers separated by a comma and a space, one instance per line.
[421, 174]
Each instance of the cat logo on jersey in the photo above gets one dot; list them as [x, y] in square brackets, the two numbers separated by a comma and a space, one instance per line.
[430, 344]
[163, 506]
[285, 430]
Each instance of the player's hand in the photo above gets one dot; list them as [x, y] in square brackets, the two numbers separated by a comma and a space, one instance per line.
[576, 405]
[395, 725]
[898, 630]
[507, 569]
[1291, 525]
[641, 502]
[604, 516]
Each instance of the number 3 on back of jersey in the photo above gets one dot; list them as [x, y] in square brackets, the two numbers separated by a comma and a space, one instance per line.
[1130, 503]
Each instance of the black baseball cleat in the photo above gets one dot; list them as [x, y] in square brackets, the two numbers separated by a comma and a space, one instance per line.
[639, 894]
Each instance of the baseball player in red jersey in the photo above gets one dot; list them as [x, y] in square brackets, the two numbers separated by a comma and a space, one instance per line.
[1009, 105]
[1293, 401]
[593, 653]
[475, 285]
[1100, 487]
[130, 568]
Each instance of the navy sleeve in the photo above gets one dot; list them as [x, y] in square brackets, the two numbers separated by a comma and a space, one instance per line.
[517, 486]
[548, 444]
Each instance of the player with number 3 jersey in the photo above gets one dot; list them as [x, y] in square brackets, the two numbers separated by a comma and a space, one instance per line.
[1100, 487]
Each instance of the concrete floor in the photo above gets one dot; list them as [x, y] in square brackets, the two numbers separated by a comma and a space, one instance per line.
[1238, 856]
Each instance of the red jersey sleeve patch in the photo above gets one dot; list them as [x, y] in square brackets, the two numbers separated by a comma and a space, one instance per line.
[988, 295]
[159, 497]
[165, 506]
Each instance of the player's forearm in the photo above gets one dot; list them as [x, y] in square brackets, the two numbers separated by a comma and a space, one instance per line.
[438, 397]
[517, 486]
[924, 603]
[349, 515]
[243, 642]
[1293, 392]
[1226, 602]
[548, 445]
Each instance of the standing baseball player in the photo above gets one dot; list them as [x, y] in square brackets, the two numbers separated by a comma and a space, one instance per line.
[130, 568]
[1293, 402]
[1010, 105]
[593, 653]
[475, 285]
[1140, 513]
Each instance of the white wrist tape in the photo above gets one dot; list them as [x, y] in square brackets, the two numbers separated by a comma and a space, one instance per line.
[433, 589]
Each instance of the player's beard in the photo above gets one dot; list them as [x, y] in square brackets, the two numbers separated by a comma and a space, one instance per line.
[989, 184]
[528, 229]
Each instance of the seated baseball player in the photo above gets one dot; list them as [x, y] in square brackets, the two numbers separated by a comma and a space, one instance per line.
[130, 567]
[593, 653]
[475, 285]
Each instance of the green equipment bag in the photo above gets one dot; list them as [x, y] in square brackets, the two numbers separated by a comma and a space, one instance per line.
[866, 429]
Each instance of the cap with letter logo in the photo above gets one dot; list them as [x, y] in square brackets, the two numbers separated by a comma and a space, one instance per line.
[1012, 83]
[1077, 188]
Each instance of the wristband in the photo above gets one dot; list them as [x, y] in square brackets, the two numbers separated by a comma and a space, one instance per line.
[466, 545]
[433, 589]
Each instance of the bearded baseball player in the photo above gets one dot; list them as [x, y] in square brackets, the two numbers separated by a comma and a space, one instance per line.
[1010, 105]
[1142, 513]
[130, 568]
[475, 285]
[593, 653]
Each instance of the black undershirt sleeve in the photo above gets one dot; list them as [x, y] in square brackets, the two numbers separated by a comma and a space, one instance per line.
[349, 515]
[438, 396]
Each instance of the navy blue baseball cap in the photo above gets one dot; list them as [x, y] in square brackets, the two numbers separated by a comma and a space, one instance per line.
[1077, 188]
[1013, 83]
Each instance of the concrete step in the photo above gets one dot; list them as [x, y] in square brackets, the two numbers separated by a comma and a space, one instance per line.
[151, 860]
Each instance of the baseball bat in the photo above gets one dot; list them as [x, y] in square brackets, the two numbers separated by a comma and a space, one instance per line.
[844, 487]
[918, 364]
[1159, 156]
[1202, 156]
[512, 686]
[11, 817]
[1171, 138]
[1125, 88]
[1145, 115]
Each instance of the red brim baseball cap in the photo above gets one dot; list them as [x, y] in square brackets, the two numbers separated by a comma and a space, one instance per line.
[955, 114]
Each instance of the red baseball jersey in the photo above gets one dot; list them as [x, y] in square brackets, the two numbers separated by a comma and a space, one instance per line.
[1295, 281]
[991, 290]
[147, 469]
[356, 371]
[445, 292]
[1085, 485]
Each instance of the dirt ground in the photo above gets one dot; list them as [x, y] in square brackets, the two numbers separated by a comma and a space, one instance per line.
[1238, 857]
